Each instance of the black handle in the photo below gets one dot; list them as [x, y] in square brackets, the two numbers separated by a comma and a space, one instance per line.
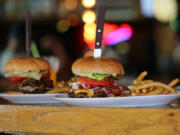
[100, 27]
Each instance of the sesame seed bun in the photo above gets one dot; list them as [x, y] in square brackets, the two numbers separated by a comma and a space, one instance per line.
[103, 65]
[27, 64]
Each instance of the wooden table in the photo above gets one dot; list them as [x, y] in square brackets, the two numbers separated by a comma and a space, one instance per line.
[88, 121]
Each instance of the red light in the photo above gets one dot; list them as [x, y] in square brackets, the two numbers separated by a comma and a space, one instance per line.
[113, 34]
[123, 33]
[109, 28]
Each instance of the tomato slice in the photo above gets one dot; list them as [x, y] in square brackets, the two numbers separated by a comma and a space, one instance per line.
[46, 75]
[16, 79]
[93, 82]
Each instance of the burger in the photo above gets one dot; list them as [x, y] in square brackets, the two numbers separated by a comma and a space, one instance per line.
[96, 77]
[28, 75]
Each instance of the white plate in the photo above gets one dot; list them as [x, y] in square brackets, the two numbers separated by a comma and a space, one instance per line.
[32, 98]
[133, 101]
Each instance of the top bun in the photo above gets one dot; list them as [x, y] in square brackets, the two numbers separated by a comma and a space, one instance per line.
[103, 65]
[27, 64]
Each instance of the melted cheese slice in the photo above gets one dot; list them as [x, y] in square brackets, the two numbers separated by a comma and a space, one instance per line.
[90, 94]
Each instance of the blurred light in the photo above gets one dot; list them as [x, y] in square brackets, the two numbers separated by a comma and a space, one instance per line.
[89, 16]
[62, 26]
[112, 35]
[147, 7]
[89, 34]
[90, 28]
[90, 44]
[88, 3]
[62, 12]
[123, 33]
[165, 10]
[70, 4]
[109, 28]
[73, 20]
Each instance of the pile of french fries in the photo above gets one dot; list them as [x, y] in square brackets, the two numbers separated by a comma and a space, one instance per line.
[142, 87]
[62, 87]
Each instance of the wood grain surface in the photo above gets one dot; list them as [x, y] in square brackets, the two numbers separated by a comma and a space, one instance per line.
[88, 121]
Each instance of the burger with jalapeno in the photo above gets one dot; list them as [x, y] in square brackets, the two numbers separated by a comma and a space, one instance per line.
[96, 77]
[28, 75]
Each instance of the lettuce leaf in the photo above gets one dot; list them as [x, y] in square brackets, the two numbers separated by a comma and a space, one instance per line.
[29, 74]
[96, 76]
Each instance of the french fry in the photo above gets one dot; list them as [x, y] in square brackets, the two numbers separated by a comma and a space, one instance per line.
[151, 88]
[173, 82]
[173, 92]
[166, 92]
[137, 94]
[155, 84]
[131, 87]
[137, 91]
[155, 92]
[144, 91]
[58, 90]
[135, 82]
[141, 76]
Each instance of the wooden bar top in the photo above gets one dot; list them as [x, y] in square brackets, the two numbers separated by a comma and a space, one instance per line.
[89, 121]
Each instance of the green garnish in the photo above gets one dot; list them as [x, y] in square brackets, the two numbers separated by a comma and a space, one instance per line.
[96, 76]
[34, 50]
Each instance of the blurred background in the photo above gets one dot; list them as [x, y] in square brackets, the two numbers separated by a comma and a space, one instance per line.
[142, 34]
